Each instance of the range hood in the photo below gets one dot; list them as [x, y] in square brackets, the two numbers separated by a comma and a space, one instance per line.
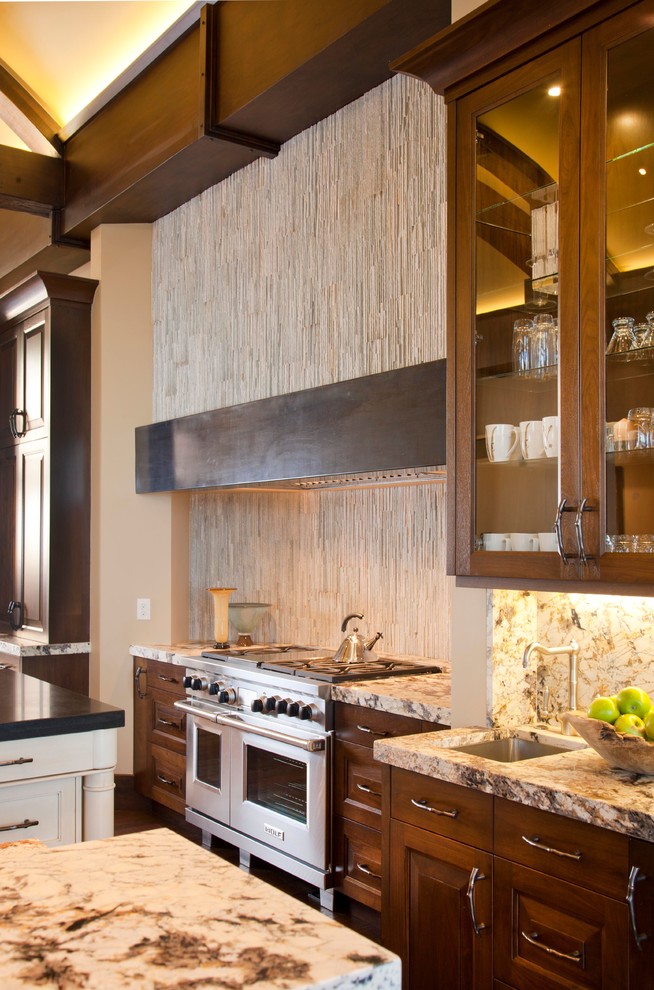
[383, 429]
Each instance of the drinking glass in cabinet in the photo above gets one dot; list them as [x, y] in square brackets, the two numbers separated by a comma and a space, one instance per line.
[623, 339]
[641, 418]
[523, 331]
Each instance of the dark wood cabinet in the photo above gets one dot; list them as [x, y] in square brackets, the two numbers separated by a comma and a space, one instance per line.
[45, 437]
[481, 891]
[159, 733]
[641, 914]
[358, 796]
[552, 241]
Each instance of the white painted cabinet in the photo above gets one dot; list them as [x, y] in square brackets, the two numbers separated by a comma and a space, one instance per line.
[49, 810]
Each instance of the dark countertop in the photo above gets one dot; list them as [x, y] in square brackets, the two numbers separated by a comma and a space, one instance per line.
[30, 707]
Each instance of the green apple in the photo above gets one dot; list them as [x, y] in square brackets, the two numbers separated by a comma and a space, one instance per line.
[634, 701]
[649, 726]
[604, 709]
[630, 723]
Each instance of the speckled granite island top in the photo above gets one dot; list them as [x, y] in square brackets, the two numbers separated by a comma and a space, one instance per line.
[575, 783]
[15, 647]
[153, 910]
[30, 708]
[423, 696]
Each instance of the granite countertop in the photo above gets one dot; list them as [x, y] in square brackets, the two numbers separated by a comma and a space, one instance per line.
[16, 647]
[30, 707]
[153, 910]
[576, 783]
[424, 696]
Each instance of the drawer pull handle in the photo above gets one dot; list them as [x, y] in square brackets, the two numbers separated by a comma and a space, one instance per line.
[164, 721]
[169, 680]
[18, 762]
[137, 682]
[26, 824]
[475, 876]
[368, 872]
[373, 732]
[537, 844]
[422, 804]
[368, 790]
[165, 780]
[533, 939]
[633, 879]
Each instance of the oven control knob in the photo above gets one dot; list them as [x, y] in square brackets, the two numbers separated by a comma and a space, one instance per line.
[307, 712]
[257, 705]
[292, 708]
[187, 681]
[227, 696]
[270, 704]
[199, 684]
[214, 687]
[281, 706]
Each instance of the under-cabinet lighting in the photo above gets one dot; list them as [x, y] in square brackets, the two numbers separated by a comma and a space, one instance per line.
[642, 171]
[554, 91]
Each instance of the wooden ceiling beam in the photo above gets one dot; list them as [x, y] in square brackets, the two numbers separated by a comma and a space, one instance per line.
[29, 182]
[26, 117]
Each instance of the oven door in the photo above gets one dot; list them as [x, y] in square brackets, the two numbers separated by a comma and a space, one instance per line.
[207, 764]
[280, 790]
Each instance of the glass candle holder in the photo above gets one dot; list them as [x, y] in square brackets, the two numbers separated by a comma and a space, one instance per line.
[221, 616]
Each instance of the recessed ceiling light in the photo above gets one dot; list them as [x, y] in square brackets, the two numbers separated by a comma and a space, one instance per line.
[554, 91]
[642, 171]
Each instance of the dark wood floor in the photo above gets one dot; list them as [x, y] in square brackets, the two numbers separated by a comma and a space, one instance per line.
[134, 813]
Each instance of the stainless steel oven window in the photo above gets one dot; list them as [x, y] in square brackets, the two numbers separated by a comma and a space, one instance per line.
[208, 758]
[278, 783]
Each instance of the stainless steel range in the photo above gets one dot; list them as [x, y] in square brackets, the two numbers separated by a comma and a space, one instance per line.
[259, 751]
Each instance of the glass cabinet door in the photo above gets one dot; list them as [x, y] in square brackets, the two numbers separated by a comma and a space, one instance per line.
[621, 75]
[524, 335]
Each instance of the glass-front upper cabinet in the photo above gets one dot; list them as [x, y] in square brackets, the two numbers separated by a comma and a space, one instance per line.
[619, 65]
[517, 321]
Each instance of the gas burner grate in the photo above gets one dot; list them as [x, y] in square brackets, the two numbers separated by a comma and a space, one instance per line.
[325, 669]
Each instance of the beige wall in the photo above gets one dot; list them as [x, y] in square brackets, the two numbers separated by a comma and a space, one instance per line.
[139, 543]
[462, 7]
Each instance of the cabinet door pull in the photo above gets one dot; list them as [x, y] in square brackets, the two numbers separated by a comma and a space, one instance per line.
[13, 622]
[368, 790]
[18, 762]
[475, 876]
[364, 868]
[422, 804]
[579, 523]
[25, 824]
[13, 423]
[137, 681]
[164, 721]
[537, 844]
[633, 879]
[533, 939]
[373, 732]
[170, 680]
[165, 780]
[561, 508]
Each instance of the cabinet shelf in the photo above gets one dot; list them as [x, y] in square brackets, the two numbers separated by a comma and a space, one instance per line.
[533, 198]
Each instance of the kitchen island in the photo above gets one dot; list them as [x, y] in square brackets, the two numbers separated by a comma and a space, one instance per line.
[152, 909]
[57, 758]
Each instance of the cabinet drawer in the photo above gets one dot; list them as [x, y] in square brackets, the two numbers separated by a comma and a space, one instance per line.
[168, 778]
[48, 810]
[359, 725]
[165, 677]
[168, 723]
[438, 806]
[358, 853]
[22, 759]
[554, 934]
[357, 785]
[571, 850]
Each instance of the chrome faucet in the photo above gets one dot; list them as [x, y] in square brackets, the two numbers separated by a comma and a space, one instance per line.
[572, 652]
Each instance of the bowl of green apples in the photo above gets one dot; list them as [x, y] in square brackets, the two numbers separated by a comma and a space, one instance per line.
[620, 728]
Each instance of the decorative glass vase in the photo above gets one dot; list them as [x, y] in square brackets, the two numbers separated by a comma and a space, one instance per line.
[221, 616]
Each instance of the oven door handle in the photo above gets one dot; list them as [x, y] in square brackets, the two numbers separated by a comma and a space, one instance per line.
[235, 722]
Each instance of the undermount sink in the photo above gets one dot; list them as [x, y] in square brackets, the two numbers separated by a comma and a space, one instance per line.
[510, 750]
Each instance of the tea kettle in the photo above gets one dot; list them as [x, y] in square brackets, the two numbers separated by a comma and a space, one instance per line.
[354, 648]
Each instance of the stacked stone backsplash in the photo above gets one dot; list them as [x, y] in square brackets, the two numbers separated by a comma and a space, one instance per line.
[616, 648]
[324, 264]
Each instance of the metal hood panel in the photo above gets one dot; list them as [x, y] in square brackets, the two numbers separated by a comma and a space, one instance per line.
[380, 429]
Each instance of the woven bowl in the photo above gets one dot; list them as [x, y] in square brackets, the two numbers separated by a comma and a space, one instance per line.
[619, 749]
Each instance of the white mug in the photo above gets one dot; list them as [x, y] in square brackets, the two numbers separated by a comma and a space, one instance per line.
[551, 435]
[496, 541]
[531, 439]
[524, 541]
[502, 442]
[548, 542]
